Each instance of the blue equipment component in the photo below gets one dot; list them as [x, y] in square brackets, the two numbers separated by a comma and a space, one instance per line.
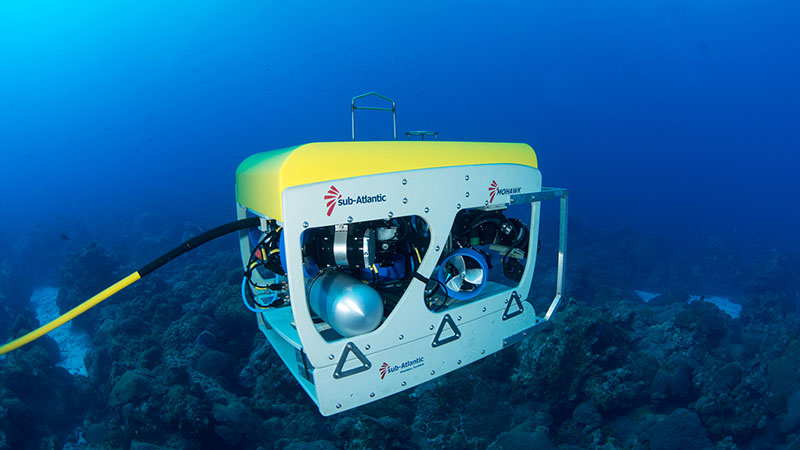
[273, 297]
[394, 272]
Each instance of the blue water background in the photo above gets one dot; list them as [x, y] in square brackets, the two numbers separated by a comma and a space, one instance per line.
[678, 117]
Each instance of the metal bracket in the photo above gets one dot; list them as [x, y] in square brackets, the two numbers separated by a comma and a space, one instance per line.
[514, 299]
[351, 348]
[548, 193]
[422, 134]
[263, 225]
[446, 320]
[514, 338]
[304, 365]
[353, 109]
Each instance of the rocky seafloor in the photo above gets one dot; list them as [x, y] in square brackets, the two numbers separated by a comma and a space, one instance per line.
[176, 361]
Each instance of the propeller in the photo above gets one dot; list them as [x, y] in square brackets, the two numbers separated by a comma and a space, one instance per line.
[460, 272]
[463, 272]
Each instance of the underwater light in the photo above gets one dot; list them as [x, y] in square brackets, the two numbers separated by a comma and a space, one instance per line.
[373, 267]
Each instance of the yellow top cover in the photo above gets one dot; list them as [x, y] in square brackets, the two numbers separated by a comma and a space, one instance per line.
[261, 178]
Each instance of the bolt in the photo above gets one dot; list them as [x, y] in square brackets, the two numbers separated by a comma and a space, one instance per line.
[405, 182]
[405, 200]
[349, 218]
[331, 357]
[483, 309]
[431, 327]
[458, 362]
[338, 405]
[367, 347]
[436, 248]
[403, 383]
[466, 194]
[459, 318]
[427, 209]
[483, 352]
[401, 337]
[486, 203]
[305, 224]
[385, 246]
[372, 394]
[433, 372]
[391, 214]
[458, 205]
[466, 177]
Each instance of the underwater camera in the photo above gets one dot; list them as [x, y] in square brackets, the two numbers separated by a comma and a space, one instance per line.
[373, 267]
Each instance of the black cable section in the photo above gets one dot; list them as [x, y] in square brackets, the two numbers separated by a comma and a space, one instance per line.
[268, 260]
[199, 240]
[440, 285]
[253, 299]
[486, 218]
[429, 297]
[517, 241]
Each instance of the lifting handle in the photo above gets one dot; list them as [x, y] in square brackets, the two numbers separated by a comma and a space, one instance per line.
[353, 109]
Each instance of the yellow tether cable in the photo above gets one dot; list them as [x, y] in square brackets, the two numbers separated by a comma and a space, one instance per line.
[71, 314]
[192, 243]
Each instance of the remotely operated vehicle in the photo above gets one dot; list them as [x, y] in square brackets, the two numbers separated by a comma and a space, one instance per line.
[373, 267]
[378, 266]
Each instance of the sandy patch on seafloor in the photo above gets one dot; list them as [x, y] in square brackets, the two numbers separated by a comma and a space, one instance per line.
[723, 303]
[73, 343]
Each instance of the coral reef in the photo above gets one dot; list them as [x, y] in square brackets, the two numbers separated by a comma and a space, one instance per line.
[15, 290]
[177, 362]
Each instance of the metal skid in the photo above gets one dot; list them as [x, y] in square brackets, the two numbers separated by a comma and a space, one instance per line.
[413, 344]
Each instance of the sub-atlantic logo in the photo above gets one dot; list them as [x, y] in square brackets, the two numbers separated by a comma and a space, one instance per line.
[331, 197]
[403, 367]
[334, 198]
[494, 190]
